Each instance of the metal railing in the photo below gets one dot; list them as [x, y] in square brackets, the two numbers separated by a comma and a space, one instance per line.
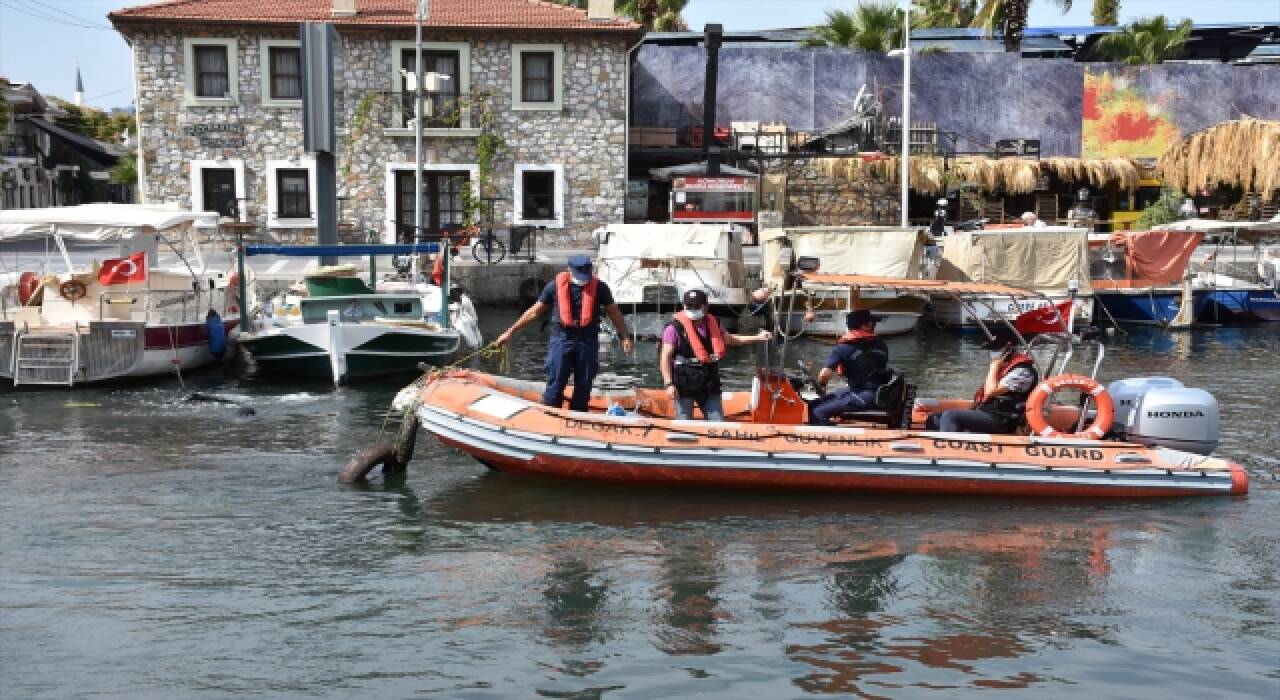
[18, 146]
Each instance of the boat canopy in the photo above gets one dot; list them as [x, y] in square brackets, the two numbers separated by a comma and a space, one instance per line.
[96, 223]
[1032, 259]
[1157, 257]
[846, 250]
[664, 241]
[960, 290]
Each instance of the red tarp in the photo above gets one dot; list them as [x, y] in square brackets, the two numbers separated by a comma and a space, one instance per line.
[1157, 257]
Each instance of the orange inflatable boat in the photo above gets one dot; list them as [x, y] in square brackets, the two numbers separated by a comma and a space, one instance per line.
[764, 443]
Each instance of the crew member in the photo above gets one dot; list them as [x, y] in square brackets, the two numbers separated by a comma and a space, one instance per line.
[692, 346]
[577, 299]
[862, 359]
[1000, 406]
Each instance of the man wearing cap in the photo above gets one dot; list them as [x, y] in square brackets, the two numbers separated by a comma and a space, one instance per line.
[1000, 406]
[577, 300]
[692, 346]
[861, 358]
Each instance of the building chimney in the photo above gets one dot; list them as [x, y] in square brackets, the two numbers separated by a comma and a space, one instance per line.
[600, 10]
[344, 8]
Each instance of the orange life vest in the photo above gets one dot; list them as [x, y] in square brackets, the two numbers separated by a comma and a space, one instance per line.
[565, 302]
[1015, 360]
[852, 338]
[695, 340]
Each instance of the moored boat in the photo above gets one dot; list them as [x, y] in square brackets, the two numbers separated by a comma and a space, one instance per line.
[844, 250]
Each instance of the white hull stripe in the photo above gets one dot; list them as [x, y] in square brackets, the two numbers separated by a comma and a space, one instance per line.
[514, 444]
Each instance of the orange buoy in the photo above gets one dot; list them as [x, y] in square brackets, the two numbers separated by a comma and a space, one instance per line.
[28, 283]
[1085, 385]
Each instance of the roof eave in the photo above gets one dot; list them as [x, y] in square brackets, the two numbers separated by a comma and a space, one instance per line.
[125, 23]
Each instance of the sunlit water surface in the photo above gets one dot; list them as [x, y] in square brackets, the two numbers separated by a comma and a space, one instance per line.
[154, 547]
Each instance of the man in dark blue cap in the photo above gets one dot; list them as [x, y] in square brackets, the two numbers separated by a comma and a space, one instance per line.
[577, 300]
[861, 358]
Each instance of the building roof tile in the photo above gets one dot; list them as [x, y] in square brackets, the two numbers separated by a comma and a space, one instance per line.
[450, 14]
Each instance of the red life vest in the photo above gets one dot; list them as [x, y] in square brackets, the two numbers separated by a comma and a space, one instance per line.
[565, 302]
[695, 340]
[1015, 360]
[853, 338]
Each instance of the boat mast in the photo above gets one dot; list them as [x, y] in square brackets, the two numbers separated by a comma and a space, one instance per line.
[906, 110]
[419, 18]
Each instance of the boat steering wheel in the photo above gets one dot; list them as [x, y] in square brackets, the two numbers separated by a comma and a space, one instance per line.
[73, 290]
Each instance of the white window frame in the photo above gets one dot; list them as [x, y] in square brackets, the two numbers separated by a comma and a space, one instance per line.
[389, 230]
[463, 48]
[197, 189]
[517, 188]
[264, 73]
[557, 78]
[273, 193]
[189, 67]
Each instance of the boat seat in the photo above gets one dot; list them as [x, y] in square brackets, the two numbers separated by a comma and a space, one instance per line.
[893, 401]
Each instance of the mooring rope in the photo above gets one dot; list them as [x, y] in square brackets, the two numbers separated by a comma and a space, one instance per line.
[431, 374]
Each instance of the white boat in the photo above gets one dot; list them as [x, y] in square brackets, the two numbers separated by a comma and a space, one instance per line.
[1052, 261]
[339, 328]
[66, 327]
[650, 266]
[820, 310]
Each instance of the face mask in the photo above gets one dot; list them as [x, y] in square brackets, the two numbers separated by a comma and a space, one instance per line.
[695, 315]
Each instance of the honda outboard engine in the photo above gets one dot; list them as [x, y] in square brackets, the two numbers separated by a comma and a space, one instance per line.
[1161, 412]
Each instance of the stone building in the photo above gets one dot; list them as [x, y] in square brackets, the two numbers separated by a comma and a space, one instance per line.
[218, 91]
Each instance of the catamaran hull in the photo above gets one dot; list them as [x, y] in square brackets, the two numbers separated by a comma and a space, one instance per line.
[515, 434]
[347, 351]
[831, 324]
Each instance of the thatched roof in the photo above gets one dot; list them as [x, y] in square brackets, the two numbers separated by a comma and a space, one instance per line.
[1015, 175]
[1244, 152]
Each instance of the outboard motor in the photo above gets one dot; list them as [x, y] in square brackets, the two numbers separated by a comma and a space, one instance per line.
[1161, 412]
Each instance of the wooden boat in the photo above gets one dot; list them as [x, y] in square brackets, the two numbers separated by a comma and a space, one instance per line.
[764, 444]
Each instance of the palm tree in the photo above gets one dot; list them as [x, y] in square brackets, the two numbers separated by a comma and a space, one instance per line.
[941, 14]
[662, 15]
[1106, 13]
[871, 27]
[1012, 14]
[1145, 42]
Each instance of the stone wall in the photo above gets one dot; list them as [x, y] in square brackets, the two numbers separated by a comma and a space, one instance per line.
[587, 136]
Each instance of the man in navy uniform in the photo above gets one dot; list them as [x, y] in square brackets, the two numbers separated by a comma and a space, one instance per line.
[577, 299]
[861, 358]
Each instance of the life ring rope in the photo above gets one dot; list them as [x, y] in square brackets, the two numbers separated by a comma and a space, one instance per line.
[1088, 386]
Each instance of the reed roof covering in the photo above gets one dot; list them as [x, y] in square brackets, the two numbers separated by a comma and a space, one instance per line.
[1014, 175]
[1243, 152]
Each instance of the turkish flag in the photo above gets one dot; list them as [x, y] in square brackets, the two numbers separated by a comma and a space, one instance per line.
[1045, 319]
[437, 269]
[124, 270]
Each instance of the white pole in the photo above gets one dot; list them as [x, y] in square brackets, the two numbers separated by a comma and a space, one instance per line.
[906, 110]
[417, 129]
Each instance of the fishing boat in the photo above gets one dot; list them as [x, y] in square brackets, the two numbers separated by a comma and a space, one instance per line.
[1240, 288]
[842, 250]
[339, 327]
[1153, 440]
[1143, 277]
[649, 267]
[1052, 261]
[126, 316]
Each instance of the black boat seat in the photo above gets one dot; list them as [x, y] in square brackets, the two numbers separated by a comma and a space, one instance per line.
[893, 401]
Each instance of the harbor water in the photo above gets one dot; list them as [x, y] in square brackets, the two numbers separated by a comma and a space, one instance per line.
[152, 546]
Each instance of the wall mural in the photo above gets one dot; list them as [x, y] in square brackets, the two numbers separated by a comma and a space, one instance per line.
[1075, 109]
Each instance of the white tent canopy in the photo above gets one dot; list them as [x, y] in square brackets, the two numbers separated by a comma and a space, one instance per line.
[696, 170]
[95, 223]
[664, 241]
[1208, 225]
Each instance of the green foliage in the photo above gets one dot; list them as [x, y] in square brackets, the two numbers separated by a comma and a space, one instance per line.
[5, 112]
[125, 171]
[660, 15]
[1106, 13]
[490, 145]
[943, 14]
[361, 123]
[1011, 16]
[1145, 42]
[874, 27]
[95, 123]
[1161, 211]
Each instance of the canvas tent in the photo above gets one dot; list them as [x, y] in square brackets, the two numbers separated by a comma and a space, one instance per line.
[1029, 259]
[94, 223]
[849, 250]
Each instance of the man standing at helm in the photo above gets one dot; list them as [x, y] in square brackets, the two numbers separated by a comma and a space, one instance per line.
[577, 299]
[692, 346]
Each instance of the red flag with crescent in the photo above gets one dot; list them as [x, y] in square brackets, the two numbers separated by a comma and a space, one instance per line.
[124, 270]
[1047, 319]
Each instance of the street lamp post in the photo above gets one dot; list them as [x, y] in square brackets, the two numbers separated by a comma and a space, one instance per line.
[906, 110]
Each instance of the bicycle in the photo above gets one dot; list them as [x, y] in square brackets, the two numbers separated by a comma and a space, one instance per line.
[488, 249]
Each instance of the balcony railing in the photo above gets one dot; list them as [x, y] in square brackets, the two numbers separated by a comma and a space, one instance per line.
[394, 110]
[18, 146]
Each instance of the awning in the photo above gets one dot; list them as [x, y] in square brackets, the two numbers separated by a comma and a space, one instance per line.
[696, 169]
[96, 223]
[938, 287]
